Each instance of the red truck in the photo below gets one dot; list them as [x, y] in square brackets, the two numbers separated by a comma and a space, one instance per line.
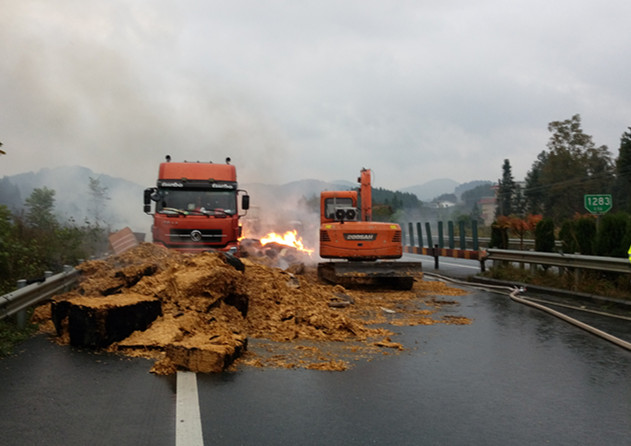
[196, 206]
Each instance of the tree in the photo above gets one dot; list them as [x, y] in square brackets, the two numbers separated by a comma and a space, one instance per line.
[9, 194]
[521, 226]
[611, 235]
[471, 197]
[578, 234]
[544, 235]
[5, 244]
[506, 191]
[572, 167]
[99, 195]
[534, 191]
[40, 205]
[499, 232]
[622, 190]
[476, 214]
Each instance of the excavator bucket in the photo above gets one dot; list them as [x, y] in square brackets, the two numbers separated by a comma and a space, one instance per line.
[378, 274]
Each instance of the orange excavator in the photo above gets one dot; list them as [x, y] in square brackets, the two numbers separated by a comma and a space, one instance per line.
[360, 249]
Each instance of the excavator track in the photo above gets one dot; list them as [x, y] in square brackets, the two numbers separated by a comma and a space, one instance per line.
[378, 274]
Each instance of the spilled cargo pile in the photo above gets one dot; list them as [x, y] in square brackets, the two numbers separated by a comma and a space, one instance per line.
[209, 312]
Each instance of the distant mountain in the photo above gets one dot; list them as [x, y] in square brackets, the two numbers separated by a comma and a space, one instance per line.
[124, 208]
[292, 191]
[72, 196]
[464, 187]
[432, 189]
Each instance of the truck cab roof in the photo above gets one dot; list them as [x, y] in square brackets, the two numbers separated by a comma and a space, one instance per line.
[197, 171]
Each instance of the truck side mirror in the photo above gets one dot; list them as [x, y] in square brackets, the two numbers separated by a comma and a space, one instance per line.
[245, 202]
[147, 199]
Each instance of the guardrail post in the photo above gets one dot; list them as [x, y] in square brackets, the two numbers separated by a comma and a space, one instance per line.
[474, 233]
[411, 231]
[419, 232]
[441, 239]
[450, 231]
[428, 230]
[436, 251]
[20, 316]
[577, 277]
[463, 235]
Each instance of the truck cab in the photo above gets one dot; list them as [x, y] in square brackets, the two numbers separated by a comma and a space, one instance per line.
[196, 206]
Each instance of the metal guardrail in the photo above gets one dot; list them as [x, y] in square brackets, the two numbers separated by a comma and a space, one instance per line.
[612, 264]
[19, 300]
[513, 243]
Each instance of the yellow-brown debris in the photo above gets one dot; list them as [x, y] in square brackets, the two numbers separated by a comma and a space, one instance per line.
[214, 316]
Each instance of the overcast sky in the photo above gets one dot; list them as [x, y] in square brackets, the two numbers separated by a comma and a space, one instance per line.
[416, 90]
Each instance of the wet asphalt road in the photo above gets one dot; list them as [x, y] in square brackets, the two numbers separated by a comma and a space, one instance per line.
[57, 395]
[514, 376]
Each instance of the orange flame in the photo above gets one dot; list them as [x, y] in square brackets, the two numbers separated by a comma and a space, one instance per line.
[289, 238]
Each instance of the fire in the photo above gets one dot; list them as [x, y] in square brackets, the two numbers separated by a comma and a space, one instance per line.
[289, 238]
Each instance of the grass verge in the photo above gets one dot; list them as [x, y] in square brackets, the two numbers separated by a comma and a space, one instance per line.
[604, 284]
[11, 335]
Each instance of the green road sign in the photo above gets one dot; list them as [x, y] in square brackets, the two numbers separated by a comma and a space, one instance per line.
[598, 203]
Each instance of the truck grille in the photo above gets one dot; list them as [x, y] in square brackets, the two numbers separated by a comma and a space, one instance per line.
[324, 236]
[397, 237]
[196, 235]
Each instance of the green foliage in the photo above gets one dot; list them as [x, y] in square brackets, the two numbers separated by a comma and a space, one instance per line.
[10, 335]
[585, 234]
[36, 242]
[9, 194]
[534, 192]
[612, 235]
[98, 197]
[544, 235]
[572, 167]
[506, 191]
[471, 197]
[499, 237]
[622, 187]
[396, 200]
[578, 235]
[612, 285]
[40, 207]
[567, 237]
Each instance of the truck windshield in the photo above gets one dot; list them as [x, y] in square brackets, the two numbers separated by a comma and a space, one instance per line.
[200, 201]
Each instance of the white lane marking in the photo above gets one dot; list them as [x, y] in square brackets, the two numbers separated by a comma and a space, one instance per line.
[188, 422]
